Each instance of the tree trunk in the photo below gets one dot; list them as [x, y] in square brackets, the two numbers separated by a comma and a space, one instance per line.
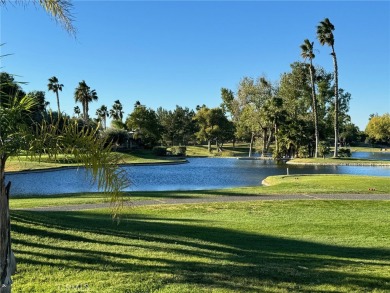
[209, 145]
[336, 104]
[264, 147]
[276, 141]
[7, 259]
[271, 133]
[251, 145]
[315, 114]
[58, 105]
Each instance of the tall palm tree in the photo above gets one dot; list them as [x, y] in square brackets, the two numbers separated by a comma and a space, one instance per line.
[325, 37]
[116, 112]
[102, 114]
[54, 86]
[307, 53]
[85, 95]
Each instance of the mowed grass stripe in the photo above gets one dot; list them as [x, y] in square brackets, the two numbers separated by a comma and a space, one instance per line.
[278, 246]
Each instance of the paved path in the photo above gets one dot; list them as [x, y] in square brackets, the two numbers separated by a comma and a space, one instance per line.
[166, 201]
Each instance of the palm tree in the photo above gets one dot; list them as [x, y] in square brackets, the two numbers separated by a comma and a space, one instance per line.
[116, 112]
[102, 114]
[325, 37]
[307, 53]
[77, 111]
[85, 95]
[54, 86]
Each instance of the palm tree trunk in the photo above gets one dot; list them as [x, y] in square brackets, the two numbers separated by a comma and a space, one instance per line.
[313, 94]
[336, 103]
[7, 259]
[58, 105]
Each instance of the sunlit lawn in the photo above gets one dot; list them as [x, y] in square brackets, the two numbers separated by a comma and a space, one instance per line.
[338, 161]
[278, 246]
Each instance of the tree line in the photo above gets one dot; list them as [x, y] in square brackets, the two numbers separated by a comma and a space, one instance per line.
[300, 115]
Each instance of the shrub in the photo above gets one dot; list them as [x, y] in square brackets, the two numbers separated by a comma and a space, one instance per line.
[323, 148]
[303, 152]
[178, 150]
[115, 136]
[159, 151]
[344, 153]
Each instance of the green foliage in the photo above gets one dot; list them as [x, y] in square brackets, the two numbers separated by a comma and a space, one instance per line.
[378, 128]
[344, 153]
[303, 152]
[323, 148]
[213, 125]
[85, 95]
[144, 123]
[159, 151]
[116, 112]
[115, 136]
[178, 126]
[178, 150]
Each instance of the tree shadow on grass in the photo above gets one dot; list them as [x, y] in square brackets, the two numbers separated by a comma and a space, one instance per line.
[195, 253]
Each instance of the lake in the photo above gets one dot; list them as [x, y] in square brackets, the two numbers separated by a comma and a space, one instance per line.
[197, 174]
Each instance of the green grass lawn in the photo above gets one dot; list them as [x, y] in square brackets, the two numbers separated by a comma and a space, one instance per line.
[277, 246]
[239, 150]
[338, 161]
[23, 163]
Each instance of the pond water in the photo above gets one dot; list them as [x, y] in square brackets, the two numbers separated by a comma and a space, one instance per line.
[197, 174]
[372, 155]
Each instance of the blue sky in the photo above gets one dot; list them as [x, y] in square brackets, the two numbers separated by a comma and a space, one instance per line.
[181, 53]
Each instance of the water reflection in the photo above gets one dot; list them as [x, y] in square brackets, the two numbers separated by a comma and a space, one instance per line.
[199, 173]
[372, 155]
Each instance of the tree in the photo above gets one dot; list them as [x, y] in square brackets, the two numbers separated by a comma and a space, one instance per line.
[252, 121]
[116, 112]
[143, 122]
[77, 111]
[85, 95]
[295, 92]
[213, 125]
[307, 53]
[378, 128]
[54, 86]
[350, 134]
[178, 126]
[102, 114]
[38, 112]
[325, 37]
[9, 89]
[18, 133]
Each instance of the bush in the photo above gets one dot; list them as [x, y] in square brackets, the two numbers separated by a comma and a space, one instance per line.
[303, 152]
[115, 136]
[344, 153]
[159, 151]
[178, 150]
[323, 149]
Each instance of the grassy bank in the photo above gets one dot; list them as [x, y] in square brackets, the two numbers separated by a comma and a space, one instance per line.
[137, 157]
[338, 161]
[306, 246]
[279, 185]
